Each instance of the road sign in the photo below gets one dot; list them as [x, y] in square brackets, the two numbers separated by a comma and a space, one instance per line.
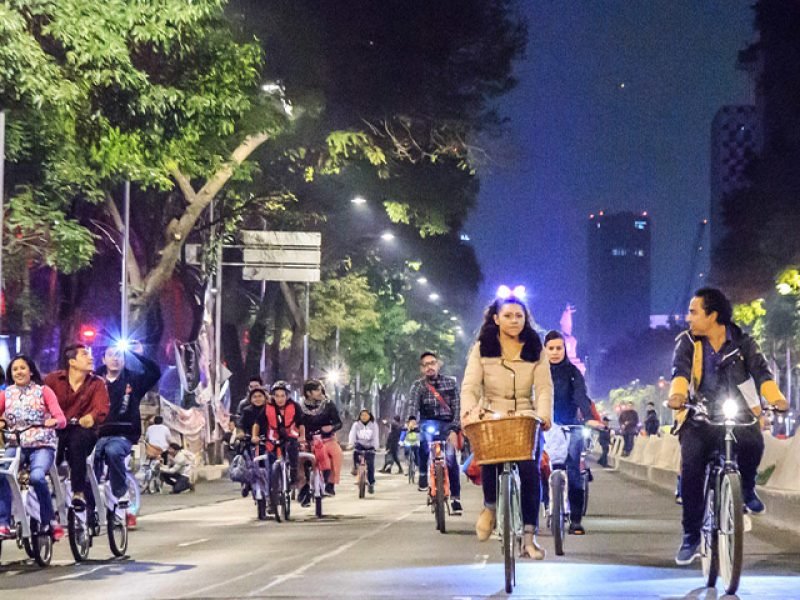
[281, 256]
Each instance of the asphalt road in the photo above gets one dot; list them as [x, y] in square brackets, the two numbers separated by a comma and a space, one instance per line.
[209, 545]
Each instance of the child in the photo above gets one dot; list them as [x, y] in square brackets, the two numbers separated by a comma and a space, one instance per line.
[364, 436]
[410, 438]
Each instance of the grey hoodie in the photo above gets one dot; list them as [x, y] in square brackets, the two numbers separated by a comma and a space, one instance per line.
[365, 435]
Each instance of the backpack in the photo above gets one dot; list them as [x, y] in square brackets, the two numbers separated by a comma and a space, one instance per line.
[240, 470]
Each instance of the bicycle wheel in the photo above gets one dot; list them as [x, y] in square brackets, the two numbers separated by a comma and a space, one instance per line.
[286, 494]
[318, 506]
[557, 515]
[80, 537]
[276, 490]
[585, 480]
[362, 481]
[412, 469]
[135, 494]
[508, 540]
[117, 529]
[439, 507]
[731, 531]
[709, 549]
[41, 545]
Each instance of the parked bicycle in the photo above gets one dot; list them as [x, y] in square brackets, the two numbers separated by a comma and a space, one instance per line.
[30, 533]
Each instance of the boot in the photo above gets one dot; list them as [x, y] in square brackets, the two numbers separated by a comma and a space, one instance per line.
[485, 525]
[530, 549]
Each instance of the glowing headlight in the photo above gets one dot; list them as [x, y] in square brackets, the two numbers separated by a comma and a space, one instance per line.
[587, 433]
[730, 408]
[430, 429]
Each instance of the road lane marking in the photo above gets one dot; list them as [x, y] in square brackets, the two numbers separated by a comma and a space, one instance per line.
[192, 543]
[81, 574]
[300, 570]
[480, 561]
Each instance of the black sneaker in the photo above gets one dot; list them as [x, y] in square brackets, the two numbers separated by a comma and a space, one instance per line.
[576, 529]
[455, 506]
[753, 502]
[423, 483]
[689, 550]
[371, 488]
[329, 491]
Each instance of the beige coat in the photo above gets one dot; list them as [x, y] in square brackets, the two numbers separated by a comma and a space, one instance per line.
[489, 384]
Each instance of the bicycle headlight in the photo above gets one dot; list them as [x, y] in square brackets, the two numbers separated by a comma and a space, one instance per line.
[430, 429]
[730, 408]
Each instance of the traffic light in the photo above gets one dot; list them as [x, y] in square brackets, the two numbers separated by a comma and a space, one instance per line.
[88, 334]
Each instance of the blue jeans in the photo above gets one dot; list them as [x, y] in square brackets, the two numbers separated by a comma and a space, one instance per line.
[113, 450]
[40, 459]
[453, 472]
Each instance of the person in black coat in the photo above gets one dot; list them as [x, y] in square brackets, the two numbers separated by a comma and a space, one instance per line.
[392, 446]
[128, 376]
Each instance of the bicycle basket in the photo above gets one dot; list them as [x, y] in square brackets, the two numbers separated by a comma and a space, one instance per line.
[506, 439]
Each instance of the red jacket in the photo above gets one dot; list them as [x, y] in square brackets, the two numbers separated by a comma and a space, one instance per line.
[282, 422]
[89, 399]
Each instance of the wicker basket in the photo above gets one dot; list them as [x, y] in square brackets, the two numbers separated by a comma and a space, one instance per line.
[506, 439]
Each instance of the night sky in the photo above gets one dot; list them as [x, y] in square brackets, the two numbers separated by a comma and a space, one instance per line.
[613, 111]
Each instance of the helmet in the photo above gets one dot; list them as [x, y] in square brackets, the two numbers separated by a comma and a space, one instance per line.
[280, 385]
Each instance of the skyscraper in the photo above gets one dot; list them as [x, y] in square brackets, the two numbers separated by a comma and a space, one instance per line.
[735, 141]
[618, 279]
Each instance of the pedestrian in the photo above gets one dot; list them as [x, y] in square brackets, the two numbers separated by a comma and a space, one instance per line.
[178, 473]
[651, 420]
[629, 427]
[604, 439]
[393, 446]
[83, 397]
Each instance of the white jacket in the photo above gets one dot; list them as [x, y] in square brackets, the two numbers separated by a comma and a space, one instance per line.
[365, 435]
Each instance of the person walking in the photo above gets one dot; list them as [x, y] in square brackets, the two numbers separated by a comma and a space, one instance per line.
[629, 427]
[393, 446]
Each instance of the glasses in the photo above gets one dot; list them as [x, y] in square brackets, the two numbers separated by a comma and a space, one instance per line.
[430, 363]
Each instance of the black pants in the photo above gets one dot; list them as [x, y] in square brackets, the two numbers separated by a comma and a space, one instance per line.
[391, 459]
[628, 446]
[603, 461]
[530, 492]
[75, 444]
[698, 442]
[179, 483]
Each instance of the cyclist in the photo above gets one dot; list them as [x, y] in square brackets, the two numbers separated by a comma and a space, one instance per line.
[83, 397]
[570, 402]
[508, 342]
[714, 359]
[25, 402]
[364, 435]
[123, 425]
[320, 416]
[437, 400]
[283, 424]
[253, 383]
[410, 439]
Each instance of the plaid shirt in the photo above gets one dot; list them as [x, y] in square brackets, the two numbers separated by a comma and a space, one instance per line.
[427, 404]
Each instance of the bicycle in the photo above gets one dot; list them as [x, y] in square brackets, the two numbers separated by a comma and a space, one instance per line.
[83, 525]
[520, 435]
[31, 534]
[586, 472]
[412, 450]
[314, 475]
[722, 533]
[439, 487]
[280, 493]
[259, 485]
[559, 510]
[361, 469]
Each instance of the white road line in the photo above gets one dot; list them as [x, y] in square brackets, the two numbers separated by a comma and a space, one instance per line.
[192, 543]
[480, 561]
[299, 571]
[81, 574]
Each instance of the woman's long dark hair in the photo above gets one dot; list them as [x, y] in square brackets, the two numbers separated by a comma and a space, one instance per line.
[35, 375]
[489, 336]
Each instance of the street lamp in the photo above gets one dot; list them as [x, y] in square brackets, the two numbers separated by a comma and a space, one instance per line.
[433, 297]
[387, 236]
[422, 280]
[359, 201]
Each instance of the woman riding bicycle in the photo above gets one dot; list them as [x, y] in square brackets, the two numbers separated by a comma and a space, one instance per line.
[503, 368]
[570, 403]
[364, 436]
[26, 402]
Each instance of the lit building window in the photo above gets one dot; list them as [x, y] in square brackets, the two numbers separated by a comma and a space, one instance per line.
[619, 252]
[640, 253]
[640, 224]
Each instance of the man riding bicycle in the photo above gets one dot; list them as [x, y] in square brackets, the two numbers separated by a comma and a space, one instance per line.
[714, 361]
[437, 400]
[84, 399]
